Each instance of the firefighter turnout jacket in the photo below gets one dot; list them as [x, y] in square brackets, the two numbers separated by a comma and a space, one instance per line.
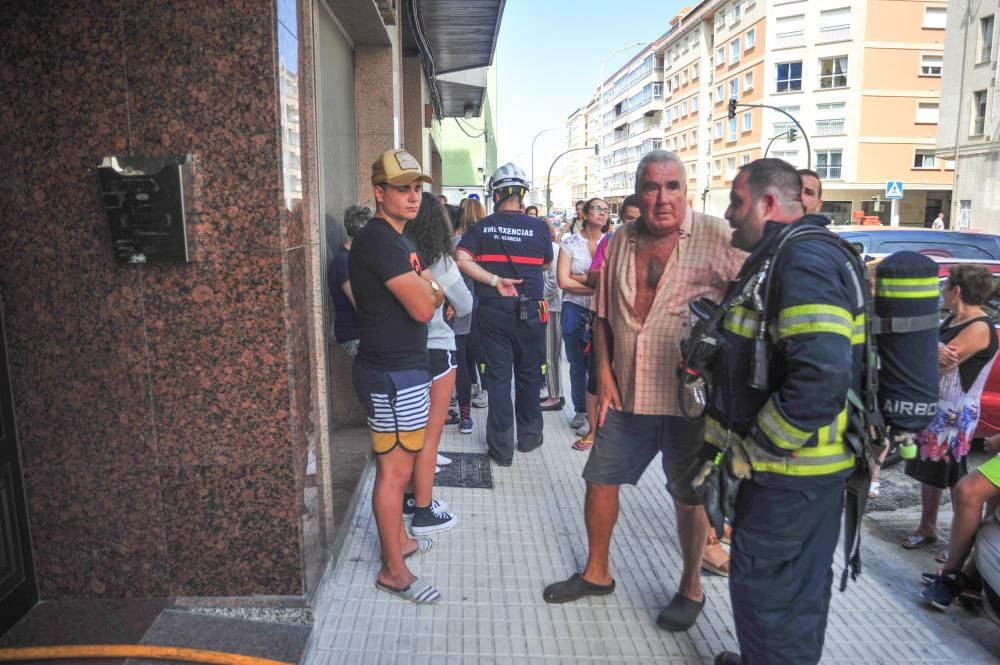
[792, 430]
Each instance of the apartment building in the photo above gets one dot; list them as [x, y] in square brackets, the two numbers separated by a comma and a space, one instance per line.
[970, 122]
[631, 112]
[862, 80]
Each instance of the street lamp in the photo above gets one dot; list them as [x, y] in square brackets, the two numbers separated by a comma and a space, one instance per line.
[550, 129]
[548, 178]
[600, 158]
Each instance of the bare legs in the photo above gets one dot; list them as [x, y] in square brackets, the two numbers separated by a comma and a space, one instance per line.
[971, 493]
[392, 471]
[600, 510]
[930, 500]
[426, 459]
[601, 514]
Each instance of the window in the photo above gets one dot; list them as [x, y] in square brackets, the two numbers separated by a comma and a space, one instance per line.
[747, 121]
[694, 71]
[722, 21]
[935, 17]
[684, 77]
[744, 159]
[718, 167]
[684, 107]
[734, 87]
[694, 137]
[830, 119]
[751, 38]
[828, 164]
[730, 168]
[718, 129]
[789, 77]
[748, 81]
[979, 112]
[732, 130]
[924, 159]
[835, 24]
[720, 55]
[927, 113]
[694, 104]
[930, 65]
[833, 72]
[734, 51]
[736, 13]
[720, 93]
[790, 31]
[986, 39]
[684, 141]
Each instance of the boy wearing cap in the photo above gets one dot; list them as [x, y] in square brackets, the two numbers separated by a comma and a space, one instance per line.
[396, 298]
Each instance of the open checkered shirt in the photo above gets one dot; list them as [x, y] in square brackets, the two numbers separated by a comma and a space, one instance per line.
[645, 355]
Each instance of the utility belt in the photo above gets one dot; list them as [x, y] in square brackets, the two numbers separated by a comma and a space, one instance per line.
[526, 308]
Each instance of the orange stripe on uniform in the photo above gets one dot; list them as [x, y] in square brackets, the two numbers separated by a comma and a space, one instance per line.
[502, 258]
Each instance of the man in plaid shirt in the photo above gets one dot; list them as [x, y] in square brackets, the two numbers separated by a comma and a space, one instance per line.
[654, 267]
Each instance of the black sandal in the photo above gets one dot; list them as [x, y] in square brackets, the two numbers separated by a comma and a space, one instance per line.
[575, 588]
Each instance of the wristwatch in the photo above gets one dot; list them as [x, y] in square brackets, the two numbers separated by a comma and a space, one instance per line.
[434, 286]
[494, 280]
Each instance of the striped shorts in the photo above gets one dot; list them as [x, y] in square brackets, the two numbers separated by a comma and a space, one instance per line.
[397, 403]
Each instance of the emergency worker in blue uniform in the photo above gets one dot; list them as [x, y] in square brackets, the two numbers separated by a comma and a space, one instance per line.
[506, 254]
[788, 514]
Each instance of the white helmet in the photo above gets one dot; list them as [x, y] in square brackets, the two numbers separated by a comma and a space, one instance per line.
[509, 180]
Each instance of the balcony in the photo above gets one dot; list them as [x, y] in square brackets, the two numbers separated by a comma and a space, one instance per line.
[831, 127]
[834, 33]
[781, 128]
[790, 39]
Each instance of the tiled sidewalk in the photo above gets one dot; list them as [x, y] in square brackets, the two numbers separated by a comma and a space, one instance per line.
[527, 532]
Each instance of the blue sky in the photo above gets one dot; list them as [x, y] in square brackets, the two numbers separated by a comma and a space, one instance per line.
[548, 60]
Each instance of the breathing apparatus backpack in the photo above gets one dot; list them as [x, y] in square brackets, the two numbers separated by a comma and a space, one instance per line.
[899, 393]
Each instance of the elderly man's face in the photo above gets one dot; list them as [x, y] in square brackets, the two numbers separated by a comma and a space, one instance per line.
[662, 197]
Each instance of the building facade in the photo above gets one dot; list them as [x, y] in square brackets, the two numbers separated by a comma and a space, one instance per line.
[182, 428]
[862, 80]
[970, 121]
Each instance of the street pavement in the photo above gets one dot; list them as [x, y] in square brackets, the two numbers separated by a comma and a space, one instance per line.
[528, 531]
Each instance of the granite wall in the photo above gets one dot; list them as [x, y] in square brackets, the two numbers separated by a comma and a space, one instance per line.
[167, 413]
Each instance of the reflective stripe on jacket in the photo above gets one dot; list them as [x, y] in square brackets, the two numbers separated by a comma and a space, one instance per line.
[816, 330]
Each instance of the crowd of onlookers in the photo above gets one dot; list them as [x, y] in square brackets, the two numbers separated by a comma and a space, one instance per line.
[445, 308]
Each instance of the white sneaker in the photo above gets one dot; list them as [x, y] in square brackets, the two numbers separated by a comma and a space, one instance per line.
[442, 460]
[480, 401]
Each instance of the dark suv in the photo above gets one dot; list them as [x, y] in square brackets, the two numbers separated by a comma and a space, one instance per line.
[877, 241]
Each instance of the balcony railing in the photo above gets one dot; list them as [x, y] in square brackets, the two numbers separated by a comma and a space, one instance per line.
[834, 33]
[832, 127]
[790, 39]
[783, 127]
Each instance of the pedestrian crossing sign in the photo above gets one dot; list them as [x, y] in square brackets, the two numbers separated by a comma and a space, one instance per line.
[894, 189]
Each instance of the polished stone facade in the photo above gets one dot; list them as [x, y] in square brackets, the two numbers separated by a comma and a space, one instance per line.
[167, 414]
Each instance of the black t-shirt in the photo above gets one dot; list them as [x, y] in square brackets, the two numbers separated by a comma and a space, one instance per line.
[390, 338]
[510, 244]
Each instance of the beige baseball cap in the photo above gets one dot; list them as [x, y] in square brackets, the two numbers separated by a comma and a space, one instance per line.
[397, 168]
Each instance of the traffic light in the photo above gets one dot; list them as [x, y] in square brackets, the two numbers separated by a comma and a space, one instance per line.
[732, 108]
[792, 135]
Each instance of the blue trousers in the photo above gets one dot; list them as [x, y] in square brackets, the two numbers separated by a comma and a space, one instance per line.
[780, 571]
[572, 332]
[511, 348]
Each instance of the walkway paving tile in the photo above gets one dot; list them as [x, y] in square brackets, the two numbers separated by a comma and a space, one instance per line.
[528, 532]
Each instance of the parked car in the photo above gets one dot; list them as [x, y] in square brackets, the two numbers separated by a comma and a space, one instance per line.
[944, 244]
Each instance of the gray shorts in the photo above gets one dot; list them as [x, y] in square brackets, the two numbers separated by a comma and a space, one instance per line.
[628, 442]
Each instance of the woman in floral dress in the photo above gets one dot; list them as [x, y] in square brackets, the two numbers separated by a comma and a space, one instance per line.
[968, 345]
